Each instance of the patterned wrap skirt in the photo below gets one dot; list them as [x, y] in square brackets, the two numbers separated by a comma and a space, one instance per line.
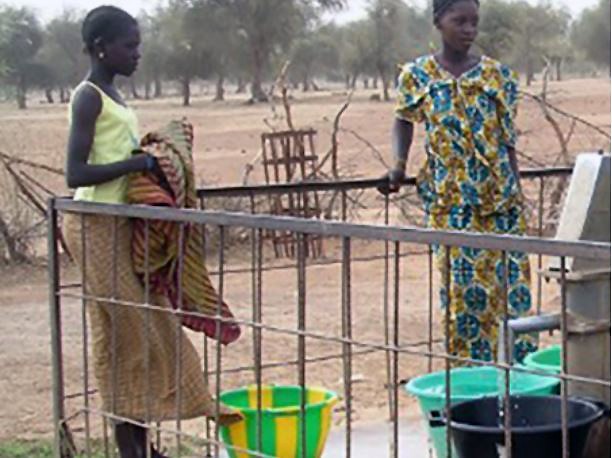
[124, 337]
[477, 276]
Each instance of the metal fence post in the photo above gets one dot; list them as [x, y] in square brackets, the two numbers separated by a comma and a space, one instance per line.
[56, 329]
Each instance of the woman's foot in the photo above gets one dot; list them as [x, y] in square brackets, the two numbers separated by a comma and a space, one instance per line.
[132, 442]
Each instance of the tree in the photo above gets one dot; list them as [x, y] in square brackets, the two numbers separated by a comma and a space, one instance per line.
[187, 57]
[356, 51]
[266, 26]
[20, 40]
[498, 23]
[399, 33]
[312, 55]
[591, 34]
[539, 29]
[61, 55]
[154, 53]
[226, 48]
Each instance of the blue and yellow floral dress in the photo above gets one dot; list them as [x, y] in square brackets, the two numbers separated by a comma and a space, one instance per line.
[467, 184]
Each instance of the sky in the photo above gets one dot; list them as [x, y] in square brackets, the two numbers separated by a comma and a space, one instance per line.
[356, 9]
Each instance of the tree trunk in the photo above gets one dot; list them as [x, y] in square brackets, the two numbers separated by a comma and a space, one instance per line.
[530, 72]
[14, 254]
[305, 83]
[220, 91]
[347, 81]
[64, 95]
[375, 83]
[257, 93]
[148, 89]
[186, 88]
[353, 84]
[385, 82]
[314, 86]
[157, 91]
[49, 96]
[241, 89]
[21, 93]
[386, 96]
[558, 65]
[366, 83]
[134, 89]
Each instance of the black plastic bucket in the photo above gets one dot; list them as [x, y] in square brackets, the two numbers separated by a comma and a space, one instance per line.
[536, 427]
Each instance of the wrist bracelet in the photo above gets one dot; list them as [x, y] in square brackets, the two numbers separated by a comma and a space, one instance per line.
[150, 162]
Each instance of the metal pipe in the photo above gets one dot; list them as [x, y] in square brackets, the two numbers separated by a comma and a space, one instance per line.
[346, 185]
[525, 325]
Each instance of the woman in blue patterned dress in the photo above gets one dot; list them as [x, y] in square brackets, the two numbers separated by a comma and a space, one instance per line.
[470, 180]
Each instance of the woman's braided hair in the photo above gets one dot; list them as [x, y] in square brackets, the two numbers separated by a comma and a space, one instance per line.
[103, 24]
[441, 6]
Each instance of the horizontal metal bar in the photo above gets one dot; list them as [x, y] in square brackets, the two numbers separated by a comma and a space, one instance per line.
[343, 185]
[324, 263]
[424, 236]
[174, 432]
[281, 364]
[335, 339]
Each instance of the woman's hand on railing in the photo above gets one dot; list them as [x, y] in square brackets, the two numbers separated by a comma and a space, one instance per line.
[391, 182]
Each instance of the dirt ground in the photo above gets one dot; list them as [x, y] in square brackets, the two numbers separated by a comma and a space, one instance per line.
[227, 138]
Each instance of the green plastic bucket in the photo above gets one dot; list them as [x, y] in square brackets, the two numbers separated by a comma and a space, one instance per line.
[470, 383]
[280, 421]
[547, 359]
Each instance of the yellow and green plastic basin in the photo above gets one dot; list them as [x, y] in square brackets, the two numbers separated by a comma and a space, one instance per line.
[280, 421]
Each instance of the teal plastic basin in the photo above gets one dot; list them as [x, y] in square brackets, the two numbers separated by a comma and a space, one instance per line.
[548, 359]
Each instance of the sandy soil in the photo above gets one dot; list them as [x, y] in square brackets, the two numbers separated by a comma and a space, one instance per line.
[227, 137]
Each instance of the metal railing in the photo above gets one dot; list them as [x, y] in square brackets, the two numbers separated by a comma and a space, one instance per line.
[389, 342]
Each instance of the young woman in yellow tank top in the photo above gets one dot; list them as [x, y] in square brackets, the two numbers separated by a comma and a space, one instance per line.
[102, 152]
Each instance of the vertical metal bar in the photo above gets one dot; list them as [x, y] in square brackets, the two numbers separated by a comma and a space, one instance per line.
[344, 205]
[508, 351]
[540, 234]
[386, 331]
[179, 339]
[347, 333]
[55, 319]
[114, 375]
[218, 337]
[207, 446]
[396, 307]
[430, 308]
[447, 342]
[147, 336]
[83, 266]
[258, 337]
[301, 268]
[564, 382]
[256, 264]
[105, 440]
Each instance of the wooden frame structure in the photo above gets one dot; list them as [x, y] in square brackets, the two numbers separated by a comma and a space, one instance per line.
[290, 157]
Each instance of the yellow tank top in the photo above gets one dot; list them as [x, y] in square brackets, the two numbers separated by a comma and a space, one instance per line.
[116, 136]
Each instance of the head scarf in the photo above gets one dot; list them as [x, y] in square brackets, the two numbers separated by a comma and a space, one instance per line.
[441, 6]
